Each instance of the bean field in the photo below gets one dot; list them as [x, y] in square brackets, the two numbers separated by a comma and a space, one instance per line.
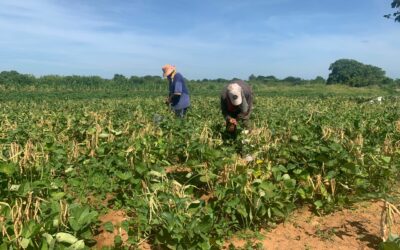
[67, 158]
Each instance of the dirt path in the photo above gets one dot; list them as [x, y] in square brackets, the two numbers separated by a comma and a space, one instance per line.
[358, 228]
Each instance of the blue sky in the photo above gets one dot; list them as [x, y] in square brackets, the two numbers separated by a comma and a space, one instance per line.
[203, 38]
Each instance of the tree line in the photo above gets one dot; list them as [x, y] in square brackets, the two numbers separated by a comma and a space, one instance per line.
[343, 71]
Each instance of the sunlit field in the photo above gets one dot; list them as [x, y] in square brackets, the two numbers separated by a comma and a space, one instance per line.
[69, 156]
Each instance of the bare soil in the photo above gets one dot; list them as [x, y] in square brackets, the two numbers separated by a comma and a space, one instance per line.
[105, 238]
[356, 228]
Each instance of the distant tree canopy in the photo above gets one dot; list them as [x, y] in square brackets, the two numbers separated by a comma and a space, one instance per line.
[395, 15]
[344, 71]
[356, 74]
[291, 80]
[13, 77]
[319, 80]
[264, 79]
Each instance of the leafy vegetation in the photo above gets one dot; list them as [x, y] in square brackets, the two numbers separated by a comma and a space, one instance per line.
[396, 15]
[184, 184]
[345, 71]
[356, 74]
[393, 243]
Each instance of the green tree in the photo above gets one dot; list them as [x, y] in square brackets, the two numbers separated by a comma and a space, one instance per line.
[356, 74]
[119, 79]
[293, 80]
[263, 79]
[221, 80]
[318, 80]
[395, 15]
[14, 78]
[252, 77]
[133, 80]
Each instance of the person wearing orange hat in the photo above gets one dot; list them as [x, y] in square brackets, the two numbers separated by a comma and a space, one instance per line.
[178, 98]
[236, 104]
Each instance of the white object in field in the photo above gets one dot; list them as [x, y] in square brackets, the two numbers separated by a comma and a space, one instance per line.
[14, 187]
[379, 99]
[249, 158]
[246, 131]
[246, 141]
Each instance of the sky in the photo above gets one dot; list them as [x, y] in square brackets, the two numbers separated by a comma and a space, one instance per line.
[203, 38]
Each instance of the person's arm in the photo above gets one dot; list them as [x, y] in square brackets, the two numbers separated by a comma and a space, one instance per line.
[176, 95]
[224, 108]
[248, 98]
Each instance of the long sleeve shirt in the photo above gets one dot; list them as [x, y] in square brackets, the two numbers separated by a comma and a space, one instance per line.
[177, 85]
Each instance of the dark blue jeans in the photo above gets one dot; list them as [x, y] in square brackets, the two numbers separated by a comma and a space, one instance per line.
[180, 113]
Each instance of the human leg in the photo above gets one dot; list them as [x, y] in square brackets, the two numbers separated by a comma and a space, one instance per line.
[180, 113]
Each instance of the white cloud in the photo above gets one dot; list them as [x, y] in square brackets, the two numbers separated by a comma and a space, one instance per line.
[43, 27]
[44, 37]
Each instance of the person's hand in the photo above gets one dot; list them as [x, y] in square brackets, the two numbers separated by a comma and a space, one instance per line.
[231, 125]
[231, 128]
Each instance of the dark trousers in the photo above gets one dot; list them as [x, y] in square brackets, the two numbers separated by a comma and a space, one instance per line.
[180, 113]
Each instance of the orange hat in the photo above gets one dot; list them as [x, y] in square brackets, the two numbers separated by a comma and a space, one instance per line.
[168, 69]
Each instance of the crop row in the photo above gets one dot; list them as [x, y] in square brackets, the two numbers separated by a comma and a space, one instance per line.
[185, 183]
